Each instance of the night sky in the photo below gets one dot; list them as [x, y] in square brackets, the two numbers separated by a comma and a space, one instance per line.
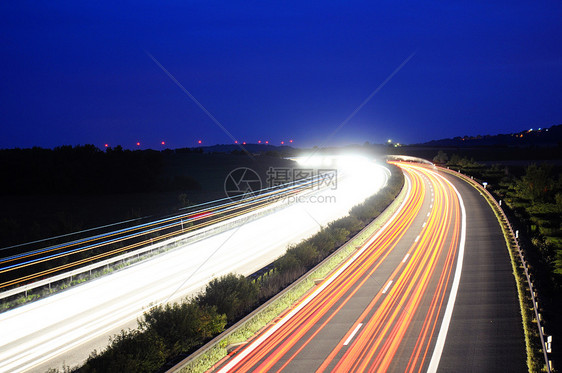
[75, 73]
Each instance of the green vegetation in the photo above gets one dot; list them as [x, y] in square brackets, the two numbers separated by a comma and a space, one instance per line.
[232, 295]
[532, 199]
[164, 331]
[172, 330]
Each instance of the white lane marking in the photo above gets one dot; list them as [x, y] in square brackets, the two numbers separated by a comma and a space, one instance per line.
[424, 224]
[405, 258]
[440, 344]
[352, 334]
[417, 238]
[242, 354]
[429, 213]
[387, 286]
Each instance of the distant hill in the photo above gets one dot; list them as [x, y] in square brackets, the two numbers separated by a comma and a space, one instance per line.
[541, 137]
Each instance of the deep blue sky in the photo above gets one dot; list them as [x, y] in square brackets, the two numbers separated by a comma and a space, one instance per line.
[75, 73]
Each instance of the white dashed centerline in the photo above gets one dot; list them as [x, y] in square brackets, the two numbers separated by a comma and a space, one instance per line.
[386, 287]
[405, 258]
[352, 334]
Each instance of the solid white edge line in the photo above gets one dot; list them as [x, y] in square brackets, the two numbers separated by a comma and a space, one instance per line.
[440, 344]
[242, 354]
[386, 287]
[352, 334]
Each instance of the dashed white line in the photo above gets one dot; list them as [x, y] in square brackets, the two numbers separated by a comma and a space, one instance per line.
[352, 334]
[238, 357]
[405, 258]
[441, 337]
[417, 239]
[424, 224]
[386, 287]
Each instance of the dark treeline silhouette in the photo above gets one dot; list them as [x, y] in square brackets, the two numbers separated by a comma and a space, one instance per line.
[86, 170]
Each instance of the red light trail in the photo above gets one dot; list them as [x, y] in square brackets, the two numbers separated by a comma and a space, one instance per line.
[397, 328]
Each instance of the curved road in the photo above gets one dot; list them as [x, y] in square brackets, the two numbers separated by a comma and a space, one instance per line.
[68, 325]
[431, 291]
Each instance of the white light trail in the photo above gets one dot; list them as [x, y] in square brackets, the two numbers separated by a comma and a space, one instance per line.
[51, 329]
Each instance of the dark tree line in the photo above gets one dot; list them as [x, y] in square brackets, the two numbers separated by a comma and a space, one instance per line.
[86, 170]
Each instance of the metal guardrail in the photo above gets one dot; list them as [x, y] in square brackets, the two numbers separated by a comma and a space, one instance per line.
[514, 236]
[195, 235]
[182, 239]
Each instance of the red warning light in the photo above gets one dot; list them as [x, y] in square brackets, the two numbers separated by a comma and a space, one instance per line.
[236, 141]
[244, 143]
[267, 142]
[107, 145]
[290, 141]
[259, 141]
[282, 142]
[163, 143]
[199, 142]
[138, 143]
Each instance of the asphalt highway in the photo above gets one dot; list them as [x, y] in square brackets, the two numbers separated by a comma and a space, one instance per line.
[406, 301]
[486, 331]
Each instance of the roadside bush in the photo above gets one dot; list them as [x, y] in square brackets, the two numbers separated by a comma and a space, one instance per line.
[289, 264]
[183, 326]
[130, 351]
[306, 254]
[232, 295]
[324, 241]
[350, 223]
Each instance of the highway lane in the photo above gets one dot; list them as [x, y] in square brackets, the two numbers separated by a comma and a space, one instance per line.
[67, 326]
[383, 303]
[392, 306]
[486, 331]
[43, 262]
